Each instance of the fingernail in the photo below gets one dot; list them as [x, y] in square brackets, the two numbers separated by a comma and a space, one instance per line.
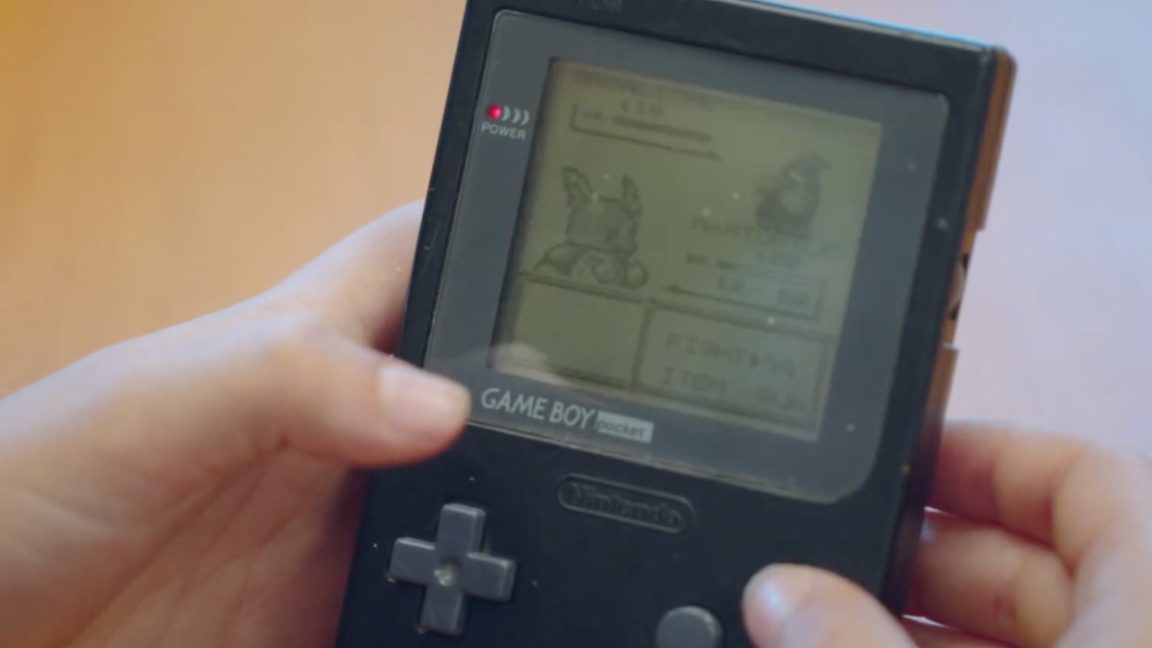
[773, 595]
[420, 402]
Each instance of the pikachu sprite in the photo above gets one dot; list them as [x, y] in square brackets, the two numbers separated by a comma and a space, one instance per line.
[601, 235]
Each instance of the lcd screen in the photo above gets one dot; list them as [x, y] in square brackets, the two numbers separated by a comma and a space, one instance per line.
[686, 248]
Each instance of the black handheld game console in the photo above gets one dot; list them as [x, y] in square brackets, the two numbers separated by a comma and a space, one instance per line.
[700, 264]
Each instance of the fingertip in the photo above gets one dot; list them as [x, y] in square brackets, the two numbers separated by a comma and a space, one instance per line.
[789, 606]
[771, 599]
[423, 413]
[763, 593]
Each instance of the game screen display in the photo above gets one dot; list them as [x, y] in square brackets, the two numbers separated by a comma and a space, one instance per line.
[687, 248]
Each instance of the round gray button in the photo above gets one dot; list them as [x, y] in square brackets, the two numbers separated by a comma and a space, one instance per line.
[689, 627]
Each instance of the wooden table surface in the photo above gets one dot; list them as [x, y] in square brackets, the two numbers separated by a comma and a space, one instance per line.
[161, 158]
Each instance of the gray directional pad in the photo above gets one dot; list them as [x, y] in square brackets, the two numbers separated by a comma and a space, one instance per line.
[452, 569]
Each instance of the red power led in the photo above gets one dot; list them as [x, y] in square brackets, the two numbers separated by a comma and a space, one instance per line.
[495, 112]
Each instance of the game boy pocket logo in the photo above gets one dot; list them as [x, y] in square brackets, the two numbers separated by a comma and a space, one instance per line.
[568, 415]
[625, 504]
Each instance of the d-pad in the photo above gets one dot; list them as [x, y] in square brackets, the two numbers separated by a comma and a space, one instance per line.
[452, 569]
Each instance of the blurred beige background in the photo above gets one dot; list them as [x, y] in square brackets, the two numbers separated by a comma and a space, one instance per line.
[161, 158]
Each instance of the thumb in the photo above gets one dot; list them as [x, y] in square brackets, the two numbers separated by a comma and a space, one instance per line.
[800, 607]
[127, 432]
[101, 463]
[317, 392]
[273, 386]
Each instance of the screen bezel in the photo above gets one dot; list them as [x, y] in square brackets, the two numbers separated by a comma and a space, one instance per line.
[521, 52]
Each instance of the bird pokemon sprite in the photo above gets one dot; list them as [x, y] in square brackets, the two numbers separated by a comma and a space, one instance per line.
[790, 199]
[601, 235]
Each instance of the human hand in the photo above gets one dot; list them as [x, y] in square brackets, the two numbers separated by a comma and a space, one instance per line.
[190, 488]
[1041, 541]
